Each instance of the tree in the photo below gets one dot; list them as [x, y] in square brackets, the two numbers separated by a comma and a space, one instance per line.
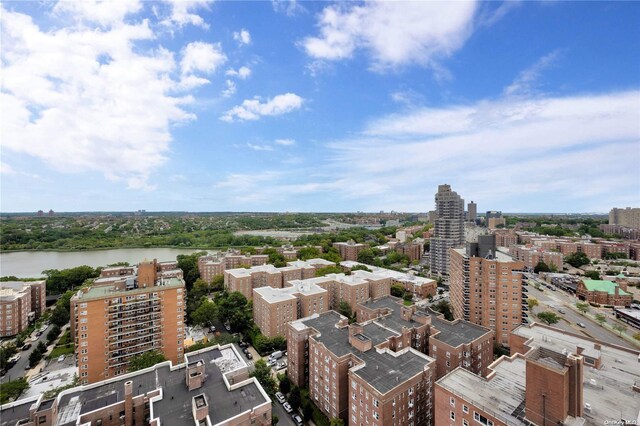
[309, 252]
[336, 422]
[34, 358]
[145, 360]
[637, 335]
[582, 307]
[285, 384]
[217, 283]
[328, 270]
[366, 256]
[189, 265]
[444, 308]
[541, 267]
[53, 333]
[11, 390]
[205, 314]
[532, 302]
[577, 259]
[275, 258]
[620, 328]
[548, 317]
[59, 281]
[41, 347]
[594, 275]
[262, 372]
[295, 399]
[601, 318]
[274, 419]
[397, 290]
[360, 268]
[60, 316]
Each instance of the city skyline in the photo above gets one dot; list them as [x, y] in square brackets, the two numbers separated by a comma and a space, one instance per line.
[285, 106]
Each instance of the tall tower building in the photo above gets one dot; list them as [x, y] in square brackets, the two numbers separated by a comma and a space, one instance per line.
[472, 208]
[486, 287]
[121, 316]
[449, 228]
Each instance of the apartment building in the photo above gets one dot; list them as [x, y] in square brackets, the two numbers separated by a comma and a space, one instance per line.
[418, 286]
[531, 255]
[354, 374]
[486, 288]
[211, 388]
[505, 237]
[213, 265]
[350, 249]
[604, 292]
[621, 231]
[20, 304]
[274, 308]
[629, 217]
[244, 280]
[449, 228]
[472, 211]
[119, 317]
[413, 250]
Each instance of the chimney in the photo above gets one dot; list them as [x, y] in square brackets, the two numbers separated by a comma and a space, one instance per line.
[199, 407]
[128, 403]
[195, 375]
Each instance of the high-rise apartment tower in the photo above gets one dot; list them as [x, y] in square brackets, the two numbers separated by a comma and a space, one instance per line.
[449, 228]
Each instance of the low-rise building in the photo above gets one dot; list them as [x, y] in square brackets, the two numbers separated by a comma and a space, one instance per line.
[604, 292]
[211, 388]
[350, 249]
[531, 255]
[213, 265]
[419, 286]
[21, 302]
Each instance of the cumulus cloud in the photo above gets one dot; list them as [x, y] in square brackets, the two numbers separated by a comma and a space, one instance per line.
[509, 151]
[285, 142]
[202, 57]
[393, 33]
[182, 13]
[242, 73]
[288, 7]
[102, 12]
[230, 89]
[107, 107]
[242, 37]
[253, 109]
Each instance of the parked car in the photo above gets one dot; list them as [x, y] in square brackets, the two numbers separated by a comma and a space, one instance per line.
[581, 324]
[297, 419]
[280, 397]
[61, 358]
[287, 407]
[212, 329]
[243, 344]
[38, 333]
[249, 356]
[227, 326]
[26, 346]
[281, 365]
[245, 350]
[34, 339]
[562, 311]
[272, 362]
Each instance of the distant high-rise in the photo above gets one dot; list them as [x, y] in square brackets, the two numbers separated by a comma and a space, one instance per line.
[449, 228]
[629, 217]
[473, 211]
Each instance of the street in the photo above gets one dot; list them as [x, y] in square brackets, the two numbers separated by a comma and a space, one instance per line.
[18, 370]
[553, 300]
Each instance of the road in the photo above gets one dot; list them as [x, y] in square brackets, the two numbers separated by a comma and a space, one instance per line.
[18, 370]
[284, 418]
[558, 299]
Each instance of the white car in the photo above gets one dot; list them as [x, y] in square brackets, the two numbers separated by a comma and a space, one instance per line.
[61, 358]
[296, 418]
[287, 407]
[280, 397]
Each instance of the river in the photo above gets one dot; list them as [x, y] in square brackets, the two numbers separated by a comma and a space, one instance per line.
[30, 264]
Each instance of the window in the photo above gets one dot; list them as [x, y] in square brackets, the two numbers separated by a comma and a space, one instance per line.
[42, 419]
[376, 416]
[465, 423]
[452, 401]
[375, 403]
[452, 415]
[481, 419]
[465, 409]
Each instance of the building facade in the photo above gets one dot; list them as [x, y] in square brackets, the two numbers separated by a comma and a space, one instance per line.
[350, 249]
[629, 217]
[449, 228]
[119, 317]
[604, 292]
[21, 302]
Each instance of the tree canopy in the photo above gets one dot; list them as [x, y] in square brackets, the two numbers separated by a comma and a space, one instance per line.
[145, 360]
[548, 317]
[577, 259]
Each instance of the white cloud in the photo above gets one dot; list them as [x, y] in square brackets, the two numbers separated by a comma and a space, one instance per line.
[288, 7]
[103, 12]
[260, 147]
[525, 83]
[242, 73]
[230, 90]
[253, 109]
[242, 37]
[393, 33]
[565, 150]
[182, 13]
[106, 108]
[285, 142]
[202, 57]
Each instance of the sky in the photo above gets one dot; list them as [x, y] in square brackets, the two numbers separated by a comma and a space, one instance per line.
[319, 106]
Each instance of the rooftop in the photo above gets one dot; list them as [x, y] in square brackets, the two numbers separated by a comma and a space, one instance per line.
[388, 273]
[101, 291]
[604, 286]
[608, 389]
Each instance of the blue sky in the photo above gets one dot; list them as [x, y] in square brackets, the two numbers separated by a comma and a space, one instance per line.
[319, 106]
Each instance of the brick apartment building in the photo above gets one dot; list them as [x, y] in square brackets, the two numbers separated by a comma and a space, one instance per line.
[212, 388]
[211, 266]
[486, 288]
[604, 292]
[377, 371]
[245, 280]
[531, 255]
[121, 316]
[418, 286]
[350, 249]
[505, 237]
[20, 304]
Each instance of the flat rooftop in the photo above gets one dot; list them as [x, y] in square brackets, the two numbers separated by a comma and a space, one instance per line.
[501, 395]
[101, 291]
[608, 389]
[388, 273]
[274, 295]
